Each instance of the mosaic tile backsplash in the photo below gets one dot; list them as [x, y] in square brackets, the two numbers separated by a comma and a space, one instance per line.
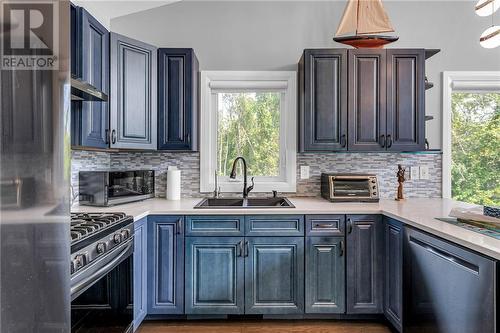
[384, 165]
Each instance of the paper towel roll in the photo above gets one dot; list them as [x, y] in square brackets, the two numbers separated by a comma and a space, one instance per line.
[173, 184]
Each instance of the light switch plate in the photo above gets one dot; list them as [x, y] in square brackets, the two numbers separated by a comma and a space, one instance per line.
[304, 172]
[424, 172]
[414, 173]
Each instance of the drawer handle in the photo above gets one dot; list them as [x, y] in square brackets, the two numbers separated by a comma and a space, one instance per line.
[329, 225]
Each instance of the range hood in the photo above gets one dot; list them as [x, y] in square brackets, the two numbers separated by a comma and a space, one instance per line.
[84, 91]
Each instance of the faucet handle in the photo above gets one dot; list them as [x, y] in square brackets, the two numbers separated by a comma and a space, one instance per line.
[275, 193]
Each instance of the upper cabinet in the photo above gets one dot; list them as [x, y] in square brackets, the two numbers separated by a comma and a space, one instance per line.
[89, 62]
[323, 100]
[177, 99]
[405, 99]
[374, 98]
[367, 112]
[95, 70]
[133, 93]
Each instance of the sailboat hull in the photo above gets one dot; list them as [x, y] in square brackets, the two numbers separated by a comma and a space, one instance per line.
[366, 41]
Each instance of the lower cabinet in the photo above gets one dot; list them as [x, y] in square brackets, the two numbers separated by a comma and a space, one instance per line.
[393, 293]
[140, 271]
[325, 275]
[274, 275]
[449, 289]
[365, 264]
[165, 264]
[214, 275]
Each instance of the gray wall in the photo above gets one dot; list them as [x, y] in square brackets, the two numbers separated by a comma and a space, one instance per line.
[267, 35]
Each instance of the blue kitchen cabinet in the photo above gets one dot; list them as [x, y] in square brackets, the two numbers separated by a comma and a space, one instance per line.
[325, 275]
[214, 275]
[393, 294]
[133, 87]
[274, 275]
[365, 264]
[90, 62]
[165, 265]
[274, 225]
[178, 71]
[140, 271]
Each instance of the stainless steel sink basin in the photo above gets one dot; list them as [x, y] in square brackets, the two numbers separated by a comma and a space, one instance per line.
[232, 203]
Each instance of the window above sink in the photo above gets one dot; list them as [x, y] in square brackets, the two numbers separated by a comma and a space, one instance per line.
[249, 114]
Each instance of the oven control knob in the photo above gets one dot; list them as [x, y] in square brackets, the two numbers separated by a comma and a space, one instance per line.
[374, 193]
[374, 187]
[101, 248]
[79, 261]
[117, 238]
[125, 233]
[373, 181]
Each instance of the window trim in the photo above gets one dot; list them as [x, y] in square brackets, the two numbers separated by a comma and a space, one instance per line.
[460, 81]
[211, 81]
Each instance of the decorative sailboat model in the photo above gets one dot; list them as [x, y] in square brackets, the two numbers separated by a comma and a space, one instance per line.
[361, 24]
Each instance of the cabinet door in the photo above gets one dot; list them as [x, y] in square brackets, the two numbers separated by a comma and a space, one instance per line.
[214, 275]
[367, 100]
[94, 121]
[274, 275]
[165, 265]
[177, 99]
[26, 99]
[449, 289]
[323, 100]
[393, 296]
[365, 263]
[325, 271]
[405, 99]
[133, 93]
[140, 271]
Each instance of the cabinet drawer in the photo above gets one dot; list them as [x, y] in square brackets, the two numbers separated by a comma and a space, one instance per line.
[226, 225]
[325, 225]
[276, 225]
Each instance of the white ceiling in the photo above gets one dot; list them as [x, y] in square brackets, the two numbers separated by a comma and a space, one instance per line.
[105, 10]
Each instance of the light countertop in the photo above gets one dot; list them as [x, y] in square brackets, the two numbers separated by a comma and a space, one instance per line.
[419, 213]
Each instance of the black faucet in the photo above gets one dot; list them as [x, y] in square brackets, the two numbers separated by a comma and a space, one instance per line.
[246, 189]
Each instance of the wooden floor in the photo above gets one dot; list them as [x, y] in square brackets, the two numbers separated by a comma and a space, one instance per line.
[263, 326]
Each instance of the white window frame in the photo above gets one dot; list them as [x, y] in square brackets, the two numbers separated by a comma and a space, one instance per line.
[463, 81]
[213, 82]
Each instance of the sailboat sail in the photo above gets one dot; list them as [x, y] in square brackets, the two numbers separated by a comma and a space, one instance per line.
[349, 22]
[364, 17]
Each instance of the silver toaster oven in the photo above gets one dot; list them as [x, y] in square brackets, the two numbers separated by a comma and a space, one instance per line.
[349, 187]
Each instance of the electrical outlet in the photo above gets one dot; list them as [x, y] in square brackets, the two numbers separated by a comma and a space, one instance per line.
[424, 172]
[414, 173]
[304, 172]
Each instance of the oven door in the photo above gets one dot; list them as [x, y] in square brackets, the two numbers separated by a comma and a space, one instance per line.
[102, 298]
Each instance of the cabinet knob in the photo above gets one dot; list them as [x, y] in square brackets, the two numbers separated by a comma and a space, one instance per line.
[383, 141]
[389, 141]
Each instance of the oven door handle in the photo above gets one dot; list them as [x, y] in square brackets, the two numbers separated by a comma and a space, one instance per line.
[84, 284]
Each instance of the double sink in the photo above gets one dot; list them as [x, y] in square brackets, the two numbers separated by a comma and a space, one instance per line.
[234, 203]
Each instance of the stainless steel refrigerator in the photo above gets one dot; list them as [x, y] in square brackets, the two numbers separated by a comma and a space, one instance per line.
[34, 167]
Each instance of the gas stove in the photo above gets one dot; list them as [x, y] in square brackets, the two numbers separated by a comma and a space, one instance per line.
[98, 241]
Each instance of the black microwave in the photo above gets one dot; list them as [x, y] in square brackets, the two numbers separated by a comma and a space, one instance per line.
[107, 188]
